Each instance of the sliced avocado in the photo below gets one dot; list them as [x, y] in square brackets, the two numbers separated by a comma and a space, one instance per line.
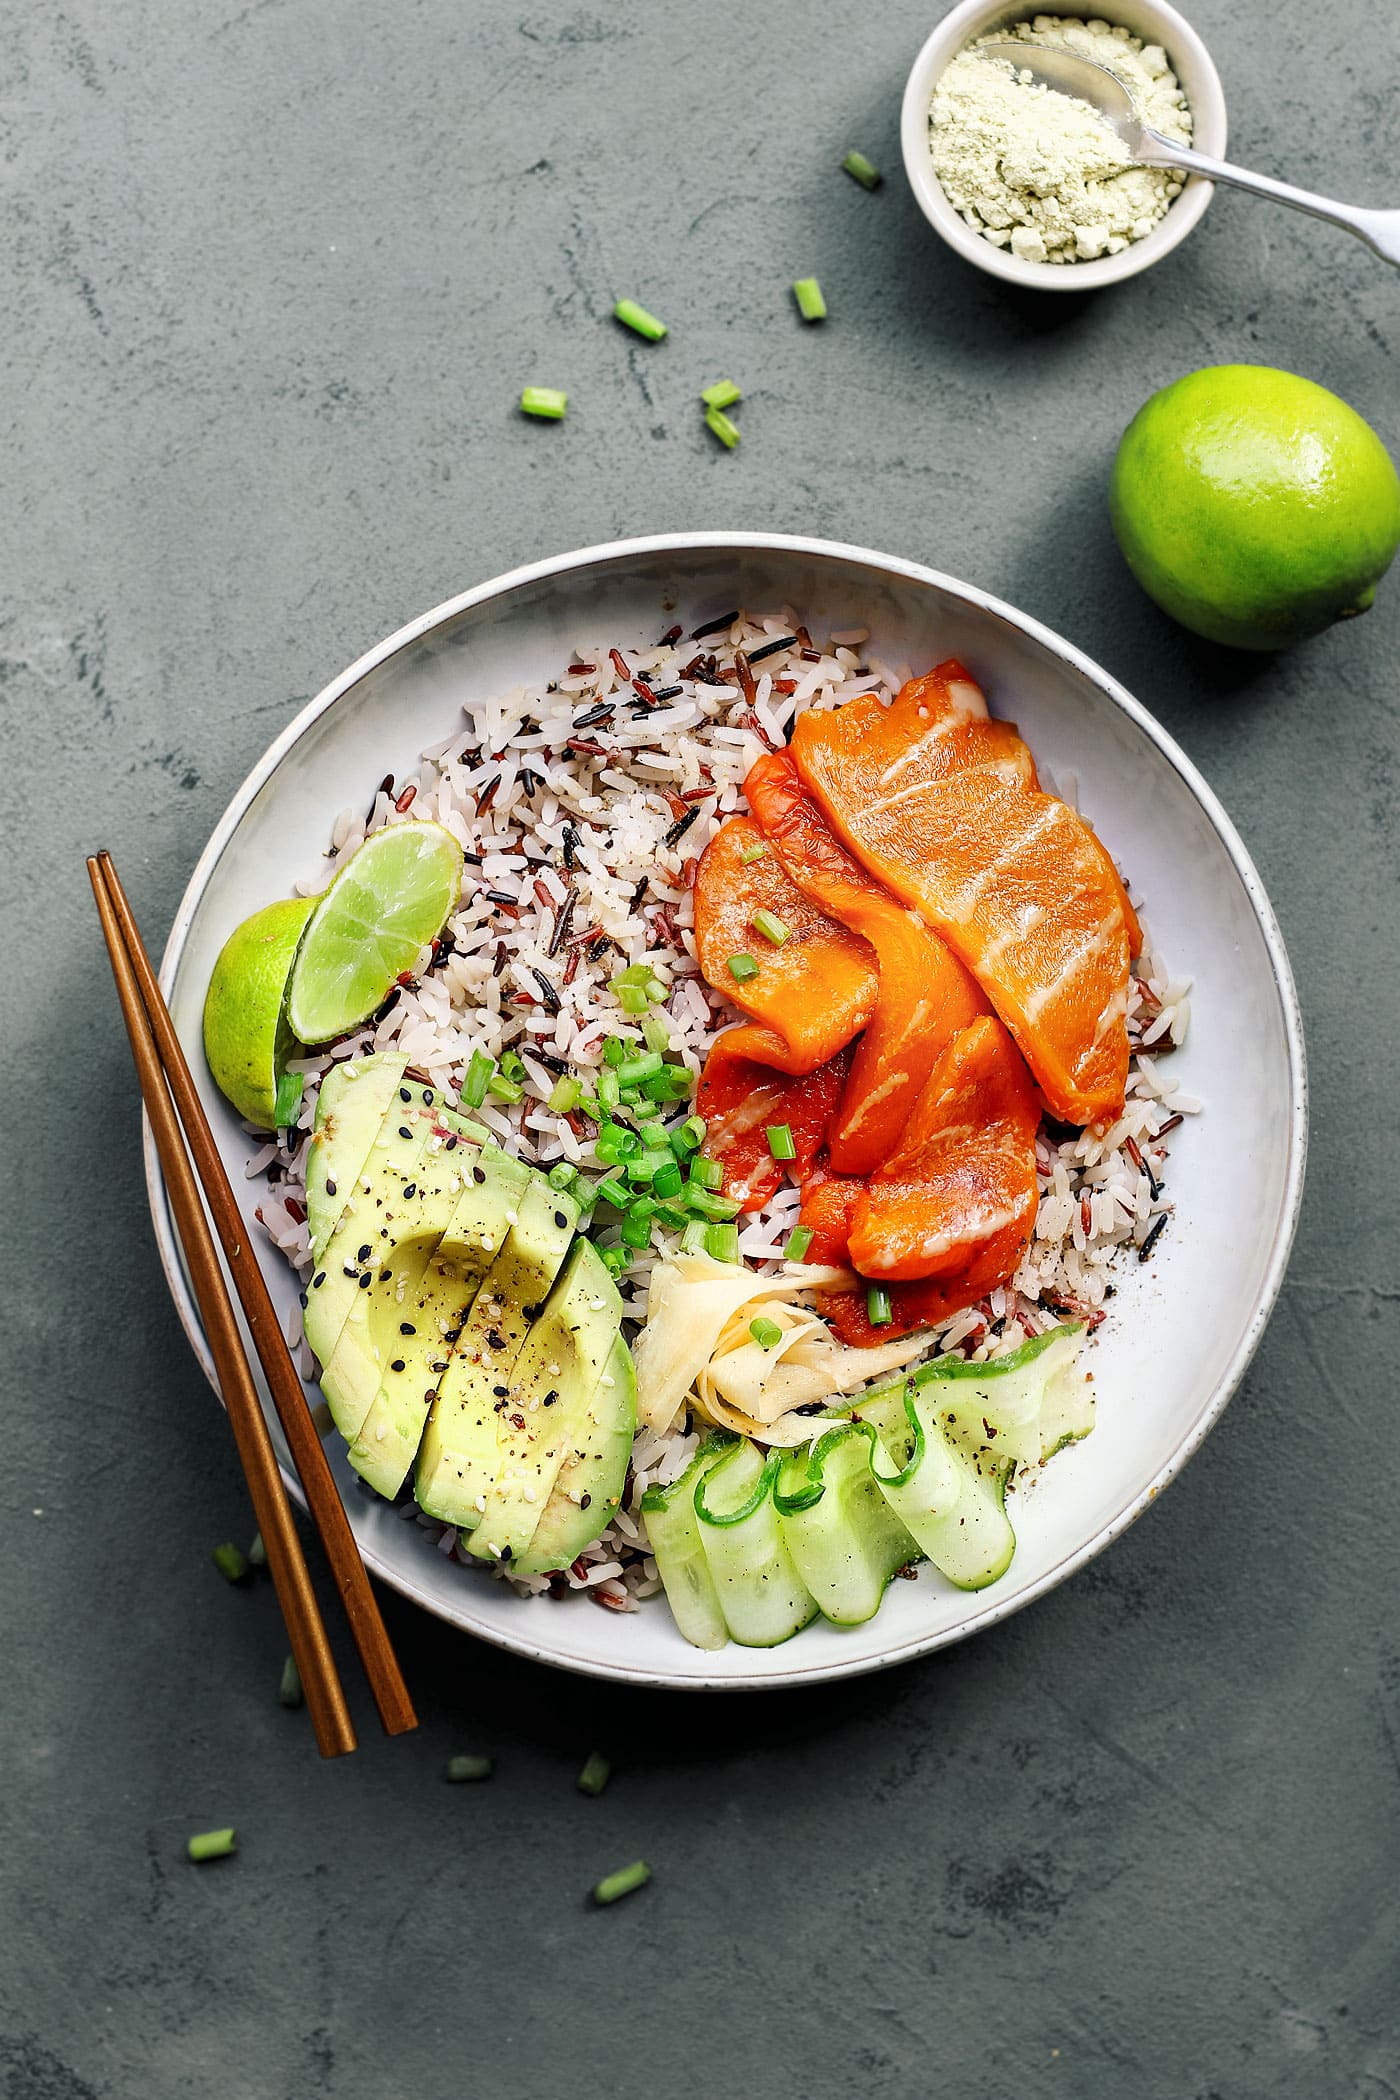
[378, 1207]
[545, 1415]
[587, 1492]
[458, 1457]
[431, 1317]
[353, 1102]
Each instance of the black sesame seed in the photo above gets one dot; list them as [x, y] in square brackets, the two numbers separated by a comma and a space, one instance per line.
[561, 1220]
[407, 1327]
[427, 1097]
[318, 1279]
[404, 1094]
[500, 1391]
[397, 1364]
[365, 1282]
[330, 1188]
[404, 1131]
[410, 1191]
[584, 1501]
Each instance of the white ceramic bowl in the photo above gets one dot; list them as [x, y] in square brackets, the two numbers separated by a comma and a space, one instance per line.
[1151, 20]
[1183, 1328]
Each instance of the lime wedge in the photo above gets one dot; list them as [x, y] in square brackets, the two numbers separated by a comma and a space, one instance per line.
[246, 1039]
[390, 899]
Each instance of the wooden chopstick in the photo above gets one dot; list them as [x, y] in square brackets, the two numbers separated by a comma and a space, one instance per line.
[323, 1500]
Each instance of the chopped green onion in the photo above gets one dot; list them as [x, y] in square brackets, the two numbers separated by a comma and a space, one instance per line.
[667, 1180]
[695, 1238]
[607, 1153]
[770, 926]
[636, 1232]
[287, 1105]
[799, 1240]
[651, 1133]
[752, 853]
[545, 401]
[657, 990]
[706, 1173]
[878, 1309]
[672, 1084]
[637, 1069]
[623, 1882]
[615, 1051]
[613, 1191]
[643, 1207]
[257, 1552]
[659, 1162]
[741, 968]
[864, 171]
[722, 393]
[691, 1134]
[767, 1333]
[640, 1170]
[231, 1564]
[722, 1242]
[564, 1095]
[707, 1205]
[609, 1092]
[592, 1106]
[614, 1259]
[627, 1141]
[560, 1176]
[512, 1065]
[466, 1767]
[289, 1692]
[595, 1774]
[810, 303]
[780, 1141]
[656, 1033]
[671, 1217]
[639, 320]
[632, 998]
[504, 1089]
[213, 1844]
[635, 973]
[480, 1072]
[723, 426]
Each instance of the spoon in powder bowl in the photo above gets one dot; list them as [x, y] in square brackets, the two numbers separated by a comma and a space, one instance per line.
[1090, 82]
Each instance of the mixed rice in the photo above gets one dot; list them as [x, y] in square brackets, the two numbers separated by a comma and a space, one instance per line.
[583, 807]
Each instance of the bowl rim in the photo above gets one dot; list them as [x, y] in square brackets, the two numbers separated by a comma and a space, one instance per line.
[677, 545]
[959, 27]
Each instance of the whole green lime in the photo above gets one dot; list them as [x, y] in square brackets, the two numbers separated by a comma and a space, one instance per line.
[1254, 506]
[246, 1036]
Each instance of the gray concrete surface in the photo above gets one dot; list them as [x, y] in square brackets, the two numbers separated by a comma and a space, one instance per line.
[274, 275]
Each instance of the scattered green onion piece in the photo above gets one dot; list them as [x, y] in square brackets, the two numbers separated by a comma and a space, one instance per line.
[632, 998]
[707, 1205]
[810, 303]
[770, 926]
[656, 1033]
[289, 1692]
[213, 1844]
[671, 1217]
[696, 1237]
[652, 1134]
[724, 427]
[287, 1104]
[639, 320]
[780, 1141]
[561, 1176]
[607, 1153]
[643, 1207]
[659, 1162]
[613, 1191]
[463, 1768]
[609, 1092]
[583, 1194]
[639, 1170]
[722, 393]
[623, 1882]
[615, 1051]
[231, 1564]
[752, 853]
[257, 1552]
[627, 1141]
[722, 1242]
[741, 968]
[592, 1106]
[865, 171]
[637, 1069]
[564, 1095]
[692, 1133]
[634, 973]
[767, 1333]
[799, 1240]
[706, 1173]
[503, 1089]
[636, 1232]
[595, 1774]
[667, 1180]
[878, 1309]
[657, 990]
[512, 1064]
[614, 1259]
[480, 1071]
[545, 401]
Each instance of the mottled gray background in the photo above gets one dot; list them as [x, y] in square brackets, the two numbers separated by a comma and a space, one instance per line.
[274, 276]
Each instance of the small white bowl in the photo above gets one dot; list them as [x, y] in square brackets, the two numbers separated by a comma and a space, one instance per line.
[1154, 23]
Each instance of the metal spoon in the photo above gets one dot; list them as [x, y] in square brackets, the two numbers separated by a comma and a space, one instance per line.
[1070, 74]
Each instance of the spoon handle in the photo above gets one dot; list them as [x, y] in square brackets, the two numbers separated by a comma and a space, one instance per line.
[1379, 229]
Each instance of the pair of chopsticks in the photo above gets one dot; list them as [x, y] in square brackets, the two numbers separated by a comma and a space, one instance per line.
[172, 1102]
